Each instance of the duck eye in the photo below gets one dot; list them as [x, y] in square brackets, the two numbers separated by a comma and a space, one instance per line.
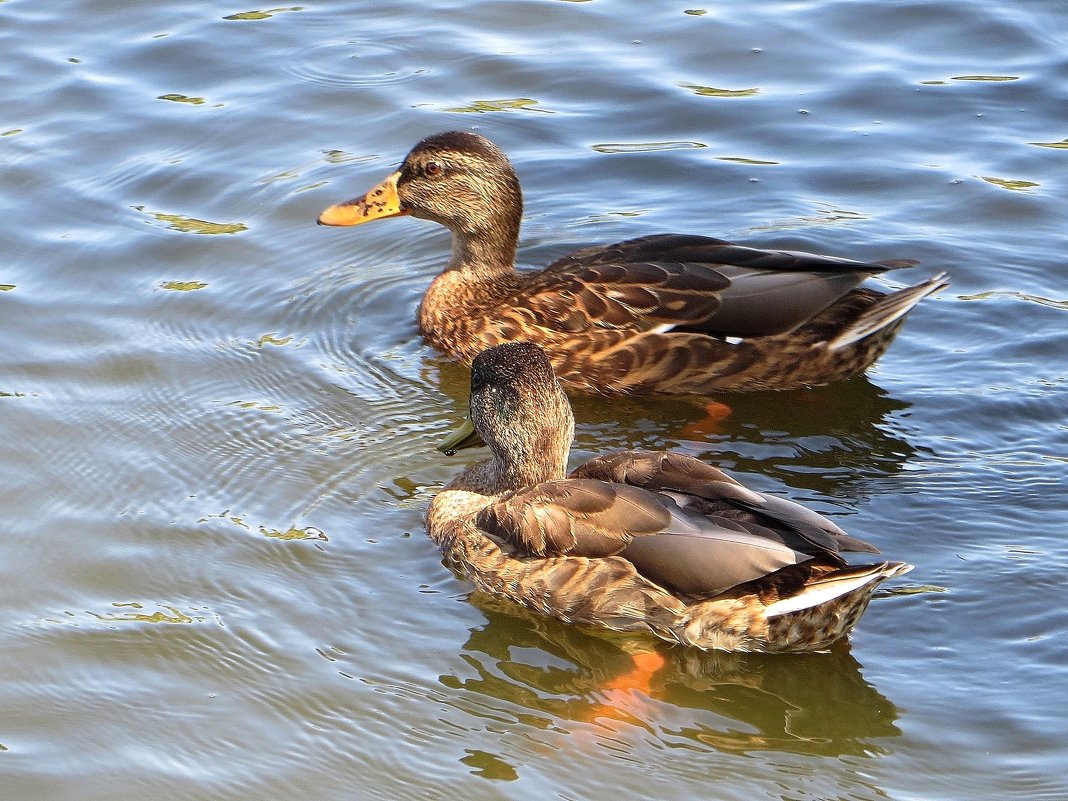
[434, 168]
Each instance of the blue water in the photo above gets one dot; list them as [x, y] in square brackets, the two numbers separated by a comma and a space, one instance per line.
[217, 421]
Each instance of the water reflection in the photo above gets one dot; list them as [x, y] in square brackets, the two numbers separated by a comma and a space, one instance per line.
[829, 440]
[817, 704]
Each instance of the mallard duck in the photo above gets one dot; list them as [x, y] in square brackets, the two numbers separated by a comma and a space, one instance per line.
[654, 542]
[669, 313]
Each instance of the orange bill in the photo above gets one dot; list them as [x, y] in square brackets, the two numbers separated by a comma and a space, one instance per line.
[381, 201]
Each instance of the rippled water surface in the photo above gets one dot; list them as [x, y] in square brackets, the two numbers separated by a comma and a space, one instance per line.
[217, 421]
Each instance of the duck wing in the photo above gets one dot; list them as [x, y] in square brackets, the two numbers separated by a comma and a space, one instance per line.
[687, 553]
[692, 283]
[702, 489]
[574, 516]
[578, 294]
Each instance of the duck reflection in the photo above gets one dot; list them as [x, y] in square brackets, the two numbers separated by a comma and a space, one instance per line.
[816, 704]
[831, 441]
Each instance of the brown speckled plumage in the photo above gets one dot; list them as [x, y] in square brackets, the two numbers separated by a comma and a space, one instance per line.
[668, 313]
[655, 542]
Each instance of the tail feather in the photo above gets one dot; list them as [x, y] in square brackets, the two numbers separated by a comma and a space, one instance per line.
[887, 310]
[835, 585]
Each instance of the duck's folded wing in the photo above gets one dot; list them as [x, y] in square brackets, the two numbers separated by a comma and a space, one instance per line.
[708, 250]
[680, 551]
[575, 296]
[697, 283]
[660, 470]
[575, 517]
[709, 561]
[811, 525]
[704, 489]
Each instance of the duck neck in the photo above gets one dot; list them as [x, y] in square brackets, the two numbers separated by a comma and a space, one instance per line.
[516, 476]
[496, 476]
[480, 273]
[531, 461]
[486, 256]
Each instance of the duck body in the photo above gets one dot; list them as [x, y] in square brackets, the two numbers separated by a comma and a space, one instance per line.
[638, 541]
[668, 313]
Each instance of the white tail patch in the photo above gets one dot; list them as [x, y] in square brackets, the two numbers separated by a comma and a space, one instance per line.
[832, 588]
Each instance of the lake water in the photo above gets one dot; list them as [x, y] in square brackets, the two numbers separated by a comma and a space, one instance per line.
[217, 420]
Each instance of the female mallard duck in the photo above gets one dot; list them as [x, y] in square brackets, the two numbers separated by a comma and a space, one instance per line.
[670, 313]
[655, 542]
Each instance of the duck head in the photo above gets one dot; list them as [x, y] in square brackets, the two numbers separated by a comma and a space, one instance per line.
[458, 179]
[519, 410]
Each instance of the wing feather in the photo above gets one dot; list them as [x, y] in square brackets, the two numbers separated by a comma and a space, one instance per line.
[692, 282]
[683, 524]
[701, 488]
[575, 517]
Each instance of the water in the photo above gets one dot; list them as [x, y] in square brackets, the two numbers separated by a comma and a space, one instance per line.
[216, 420]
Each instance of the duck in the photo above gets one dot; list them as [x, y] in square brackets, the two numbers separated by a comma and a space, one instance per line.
[675, 314]
[643, 542]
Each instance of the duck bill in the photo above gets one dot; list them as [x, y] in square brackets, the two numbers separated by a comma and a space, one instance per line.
[463, 437]
[381, 201]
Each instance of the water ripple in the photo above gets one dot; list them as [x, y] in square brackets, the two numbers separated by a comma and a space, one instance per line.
[352, 63]
[217, 428]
